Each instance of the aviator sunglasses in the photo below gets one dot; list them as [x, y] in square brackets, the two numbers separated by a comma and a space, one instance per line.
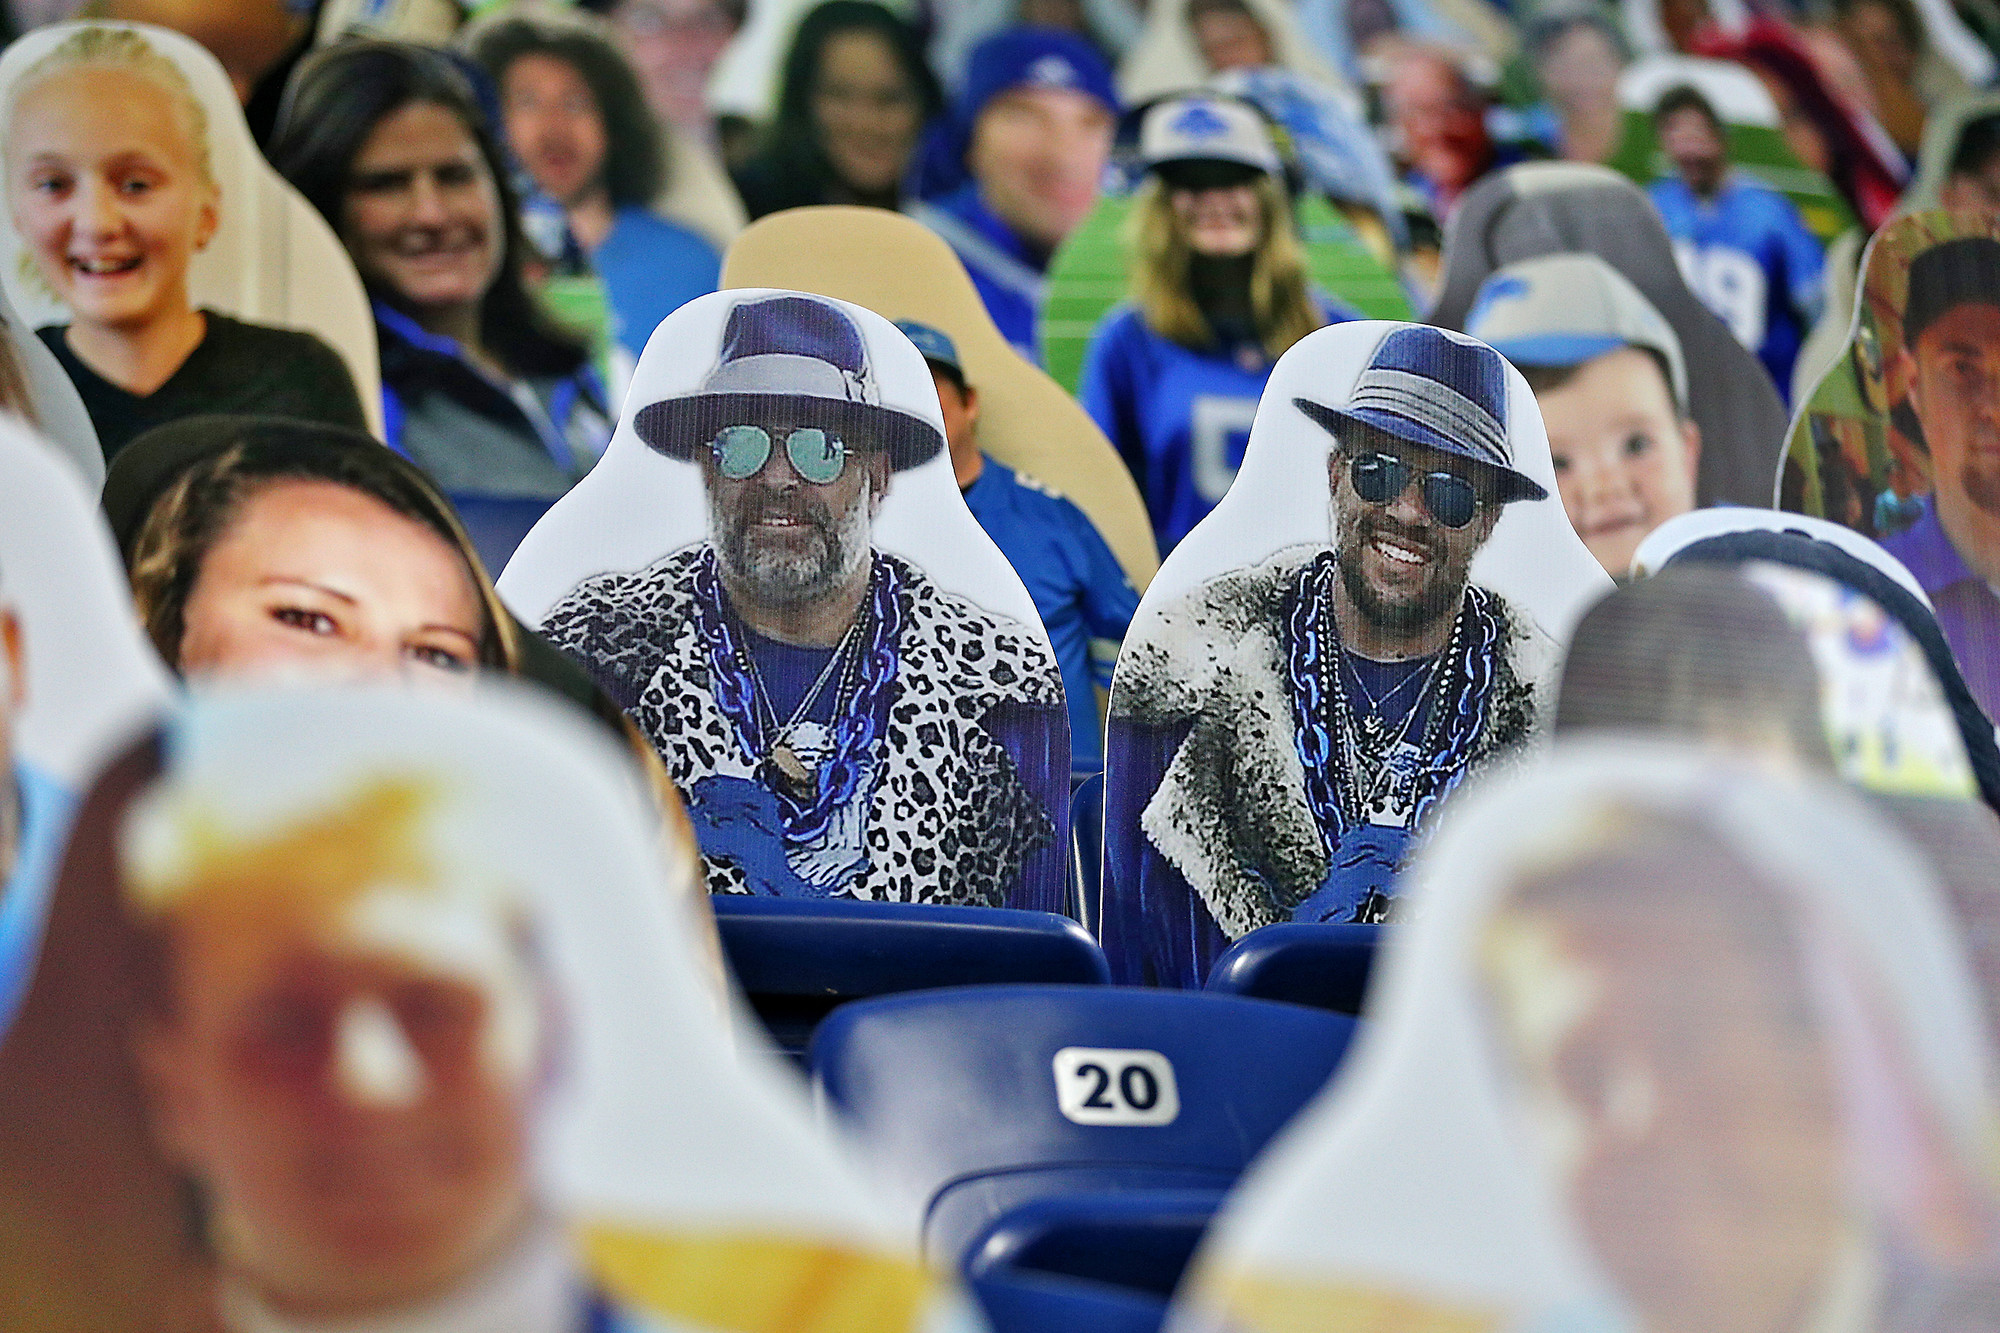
[816, 455]
[1380, 478]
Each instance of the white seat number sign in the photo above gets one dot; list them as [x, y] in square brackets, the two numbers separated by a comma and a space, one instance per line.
[1099, 1086]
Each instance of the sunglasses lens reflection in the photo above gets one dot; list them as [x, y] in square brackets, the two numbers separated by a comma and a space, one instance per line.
[742, 451]
[816, 455]
[1380, 478]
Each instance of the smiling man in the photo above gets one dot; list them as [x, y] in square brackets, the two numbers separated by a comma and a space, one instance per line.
[1306, 714]
[1951, 360]
[840, 724]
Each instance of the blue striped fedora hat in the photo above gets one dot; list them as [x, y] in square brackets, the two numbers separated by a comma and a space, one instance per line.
[1441, 390]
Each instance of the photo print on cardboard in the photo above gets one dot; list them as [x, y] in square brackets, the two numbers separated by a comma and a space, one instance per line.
[1375, 609]
[773, 573]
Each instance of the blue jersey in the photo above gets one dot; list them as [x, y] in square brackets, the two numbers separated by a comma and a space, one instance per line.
[1004, 270]
[1179, 416]
[651, 267]
[1085, 600]
[1747, 254]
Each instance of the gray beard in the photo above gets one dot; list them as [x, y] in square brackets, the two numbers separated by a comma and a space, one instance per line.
[777, 578]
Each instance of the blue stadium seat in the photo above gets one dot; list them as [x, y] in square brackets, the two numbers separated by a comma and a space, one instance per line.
[1140, 1241]
[799, 958]
[982, 1101]
[1324, 966]
[1086, 849]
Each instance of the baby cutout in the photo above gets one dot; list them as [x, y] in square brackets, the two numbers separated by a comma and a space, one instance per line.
[773, 573]
[1375, 610]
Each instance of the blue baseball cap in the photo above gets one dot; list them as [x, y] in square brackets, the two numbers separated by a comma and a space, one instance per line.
[935, 344]
[1566, 309]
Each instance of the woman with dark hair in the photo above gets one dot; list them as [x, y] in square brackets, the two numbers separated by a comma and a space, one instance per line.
[854, 100]
[578, 123]
[480, 387]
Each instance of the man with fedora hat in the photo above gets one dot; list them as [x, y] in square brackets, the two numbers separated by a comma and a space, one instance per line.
[1951, 360]
[839, 724]
[1306, 714]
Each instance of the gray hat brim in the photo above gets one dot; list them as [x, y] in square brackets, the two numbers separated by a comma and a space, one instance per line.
[685, 426]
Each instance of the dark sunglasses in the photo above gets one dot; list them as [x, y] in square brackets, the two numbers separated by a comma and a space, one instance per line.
[1380, 478]
[817, 455]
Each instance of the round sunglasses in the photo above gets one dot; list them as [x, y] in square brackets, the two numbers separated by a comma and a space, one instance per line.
[815, 454]
[1379, 478]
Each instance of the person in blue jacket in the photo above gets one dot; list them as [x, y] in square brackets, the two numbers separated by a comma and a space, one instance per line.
[1742, 246]
[574, 115]
[1219, 292]
[1085, 600]
[1032, 130]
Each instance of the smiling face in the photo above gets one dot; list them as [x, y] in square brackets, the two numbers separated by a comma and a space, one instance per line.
[421, 216]
[1624, 460]
[867, 114]
[783, 542]
[1038, 155]
[107, 186]
[1222, 223]
[318, 578]
[555, 125]
[1403, 570]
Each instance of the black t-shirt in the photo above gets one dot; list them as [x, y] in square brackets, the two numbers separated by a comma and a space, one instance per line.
[239, 369]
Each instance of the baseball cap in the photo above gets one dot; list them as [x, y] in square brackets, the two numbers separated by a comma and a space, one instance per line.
[935, 344]
[1946, 276]
[1206, 129]
[1563, 310]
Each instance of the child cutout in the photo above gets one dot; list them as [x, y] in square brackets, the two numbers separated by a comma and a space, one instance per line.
[1610, 379]
[112, 189]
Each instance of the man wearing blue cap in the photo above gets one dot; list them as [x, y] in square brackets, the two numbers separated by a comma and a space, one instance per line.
[840, 725]
[1305, 715]
[1033, 127]
[1080, 589]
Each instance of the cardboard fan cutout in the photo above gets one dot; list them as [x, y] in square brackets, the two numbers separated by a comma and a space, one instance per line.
[1552, 208]
[58, 413]
[772, 571]
[1375, 610]
[1646, 1059]
[1896, 440]
[76, 677]
[272, 259]
[386, 987]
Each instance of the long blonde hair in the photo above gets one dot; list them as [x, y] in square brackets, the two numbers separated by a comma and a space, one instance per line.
[1281, 305]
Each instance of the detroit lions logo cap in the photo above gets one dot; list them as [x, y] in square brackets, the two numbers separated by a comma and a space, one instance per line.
[1207, 129]
[1566, 309]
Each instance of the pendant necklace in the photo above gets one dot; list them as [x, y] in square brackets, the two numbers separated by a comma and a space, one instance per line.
[799, 775]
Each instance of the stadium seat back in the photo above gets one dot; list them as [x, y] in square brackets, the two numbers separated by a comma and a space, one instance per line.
[797, 960]
[1321, 964]
[980, 1100]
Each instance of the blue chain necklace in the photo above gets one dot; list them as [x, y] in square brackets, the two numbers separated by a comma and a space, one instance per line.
[867, 665]
[1348, 778]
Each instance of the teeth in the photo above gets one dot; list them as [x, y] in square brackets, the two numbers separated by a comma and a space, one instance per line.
[1402, 555]
[105, 265]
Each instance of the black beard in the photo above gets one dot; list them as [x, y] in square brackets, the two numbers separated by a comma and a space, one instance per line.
[1403, 618]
